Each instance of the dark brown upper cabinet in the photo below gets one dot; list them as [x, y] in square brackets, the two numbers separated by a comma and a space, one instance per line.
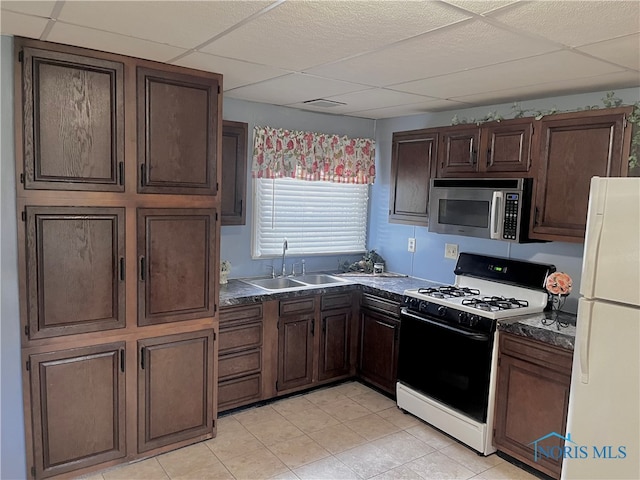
[573, 148]
[177, 132]
[458, 150]
[412, 166]
[234, 170]
[177, 264]
[501, 149]
[73, 121]
[75, 270]
[77, 407]
[175, 388]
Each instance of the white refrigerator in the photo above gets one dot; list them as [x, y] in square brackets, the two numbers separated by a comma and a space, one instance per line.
[602, 440]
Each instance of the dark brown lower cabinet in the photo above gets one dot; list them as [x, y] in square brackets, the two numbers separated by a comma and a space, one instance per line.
[378, 349]
[333, 360]
[240, 356]
[532, 398]
[77, 407]
[175, 389]
[295, 351]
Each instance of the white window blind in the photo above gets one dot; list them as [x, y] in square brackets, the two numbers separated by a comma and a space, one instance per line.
[315, 217]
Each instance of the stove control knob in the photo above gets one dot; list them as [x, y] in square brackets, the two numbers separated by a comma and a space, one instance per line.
[424, 306]
[463, 317]
[473, 320]
[442, 310]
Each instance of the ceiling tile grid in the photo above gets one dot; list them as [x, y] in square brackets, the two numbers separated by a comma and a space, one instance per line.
[377, 59]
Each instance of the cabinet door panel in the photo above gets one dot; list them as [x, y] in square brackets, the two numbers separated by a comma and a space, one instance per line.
[234, 168]
[295, 351]
[411, 170]
[73, 122]
[572, 151]
[177, 132]
[176, 249]
[175, 391]
[75, 277]
[78, 407]
[458, 152]
[378, 360]
[509, 147]
[334, 344]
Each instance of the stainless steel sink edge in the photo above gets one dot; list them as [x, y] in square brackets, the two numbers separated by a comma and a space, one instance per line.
[296, 283]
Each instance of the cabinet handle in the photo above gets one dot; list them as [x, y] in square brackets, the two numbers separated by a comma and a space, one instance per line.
[142, 352]
[313, 327]
[537, 221]
[324, 325]
[121, 173]
[241, 207]
[489, 160]
[143, 171]
[142, 269]
[473, 157]
[122, 360]
[122, 269]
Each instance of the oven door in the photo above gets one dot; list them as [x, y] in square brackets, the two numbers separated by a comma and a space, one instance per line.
[445, 363]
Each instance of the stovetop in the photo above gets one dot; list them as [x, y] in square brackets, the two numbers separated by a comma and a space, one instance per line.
[486, 289]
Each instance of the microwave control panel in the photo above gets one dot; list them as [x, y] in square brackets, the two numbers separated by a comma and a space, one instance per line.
[510, 229]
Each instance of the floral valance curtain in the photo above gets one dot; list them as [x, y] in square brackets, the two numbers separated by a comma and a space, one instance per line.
[312, 156]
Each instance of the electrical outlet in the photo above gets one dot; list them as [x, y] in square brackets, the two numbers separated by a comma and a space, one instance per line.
[451, 251]
[411, 247]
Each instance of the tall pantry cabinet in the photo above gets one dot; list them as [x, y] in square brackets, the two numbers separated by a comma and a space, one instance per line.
[117, 164]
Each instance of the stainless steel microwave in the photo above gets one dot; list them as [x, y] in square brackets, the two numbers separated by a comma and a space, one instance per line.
[493, 208]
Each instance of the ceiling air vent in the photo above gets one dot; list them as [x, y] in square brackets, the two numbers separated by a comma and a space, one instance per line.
[321, 102]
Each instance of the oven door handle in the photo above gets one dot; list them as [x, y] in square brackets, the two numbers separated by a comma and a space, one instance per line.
[481, 337]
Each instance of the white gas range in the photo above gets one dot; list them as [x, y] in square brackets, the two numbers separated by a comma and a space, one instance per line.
[448, 353]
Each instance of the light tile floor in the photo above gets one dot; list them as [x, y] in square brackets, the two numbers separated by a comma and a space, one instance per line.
[347, 431]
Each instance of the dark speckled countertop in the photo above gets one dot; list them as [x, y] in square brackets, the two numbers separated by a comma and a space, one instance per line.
[560, 333]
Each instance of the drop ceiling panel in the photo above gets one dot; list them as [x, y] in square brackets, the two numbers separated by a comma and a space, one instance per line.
[575, 23]
[481, 7]
[182, 24]
[298, 35]
[457, 48]
[365, 99]
[413, 109]
[235, 72]
[611, 81]
[40, 9]
[563, 65]
[293, 88]
[624, 51]
[111, 42]
[23, 25]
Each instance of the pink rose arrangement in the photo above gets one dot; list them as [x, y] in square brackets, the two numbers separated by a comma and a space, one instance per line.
[559, 283]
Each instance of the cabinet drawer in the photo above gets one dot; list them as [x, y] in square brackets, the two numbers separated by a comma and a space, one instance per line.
[341, 300]
[380, 304]
[238, 337]
[297, 306]
[536, 352]
[236, 314]
[242, 363]
[233, 393]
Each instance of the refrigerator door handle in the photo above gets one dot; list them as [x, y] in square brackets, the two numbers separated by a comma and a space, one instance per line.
[595, 220]
[585, 337]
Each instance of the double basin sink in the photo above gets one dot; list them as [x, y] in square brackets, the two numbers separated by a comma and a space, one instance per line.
[294, 283]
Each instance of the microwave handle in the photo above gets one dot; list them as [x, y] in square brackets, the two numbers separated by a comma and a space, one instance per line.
[496, 215]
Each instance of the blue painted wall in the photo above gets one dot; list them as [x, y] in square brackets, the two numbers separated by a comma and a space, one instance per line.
[12, 453]
[428, 261]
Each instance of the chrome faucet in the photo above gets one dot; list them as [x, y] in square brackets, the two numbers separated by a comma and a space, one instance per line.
[285, 246]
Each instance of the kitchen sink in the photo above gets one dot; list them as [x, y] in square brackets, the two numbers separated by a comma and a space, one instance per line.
[318, 279]
[276, 283]
[302, 281]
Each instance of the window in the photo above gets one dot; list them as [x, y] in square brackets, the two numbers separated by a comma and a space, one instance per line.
[315, 217]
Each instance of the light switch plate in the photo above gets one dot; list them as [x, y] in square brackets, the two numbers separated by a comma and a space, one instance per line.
[411, 246]
[451, 251]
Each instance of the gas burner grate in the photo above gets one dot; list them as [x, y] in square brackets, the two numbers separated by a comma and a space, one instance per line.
[449, 291]
[495, 303]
